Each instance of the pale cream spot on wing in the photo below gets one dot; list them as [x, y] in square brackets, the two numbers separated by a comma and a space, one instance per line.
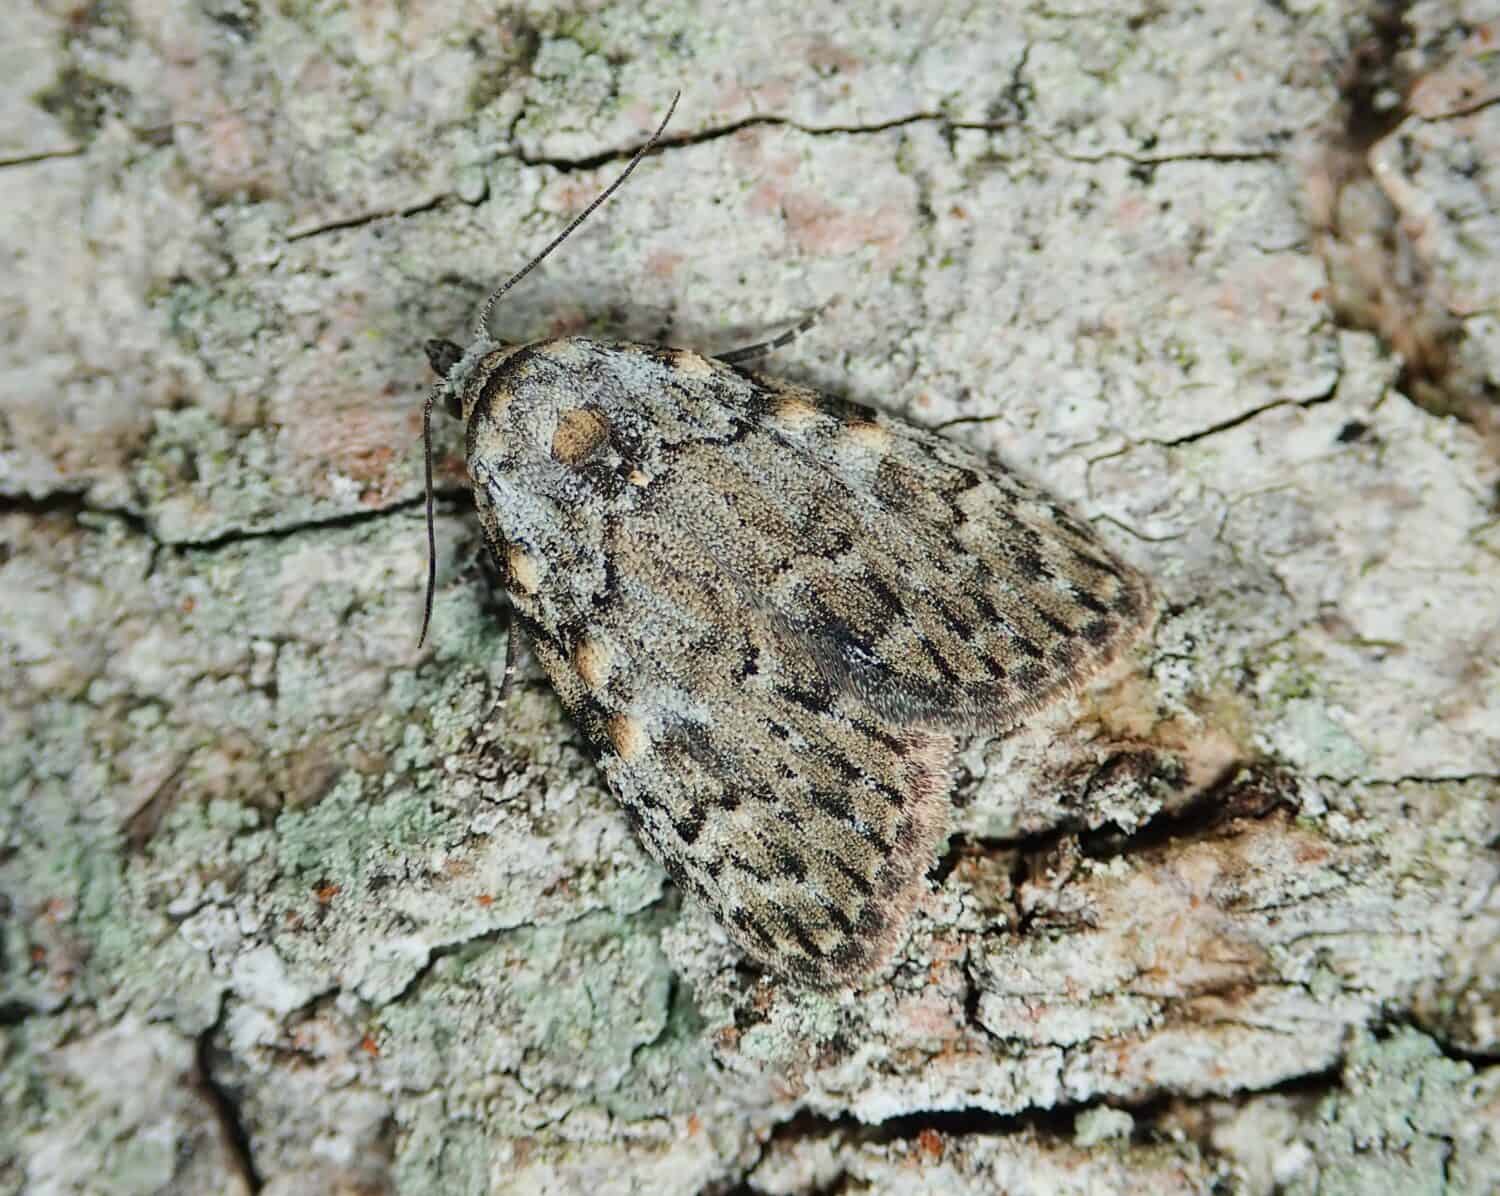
[566, 350]
[592, 658]
[980, 501]
[868, 435]
[692, 365]
[794, 414]
[525, 569]
[628, 736]
[639, 477]
[974, 536]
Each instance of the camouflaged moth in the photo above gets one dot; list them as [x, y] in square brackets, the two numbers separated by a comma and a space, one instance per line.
[770, 612]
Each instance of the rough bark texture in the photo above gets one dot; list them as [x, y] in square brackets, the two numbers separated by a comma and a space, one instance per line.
[287, 906]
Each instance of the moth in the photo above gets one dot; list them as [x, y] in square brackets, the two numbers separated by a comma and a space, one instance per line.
[770, 612]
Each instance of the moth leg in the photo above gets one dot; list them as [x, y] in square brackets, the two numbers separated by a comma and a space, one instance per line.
[512, 654]
[761, 348]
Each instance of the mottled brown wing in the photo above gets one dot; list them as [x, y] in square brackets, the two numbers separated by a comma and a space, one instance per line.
[766, 610]
[928, 582]
[804, 822]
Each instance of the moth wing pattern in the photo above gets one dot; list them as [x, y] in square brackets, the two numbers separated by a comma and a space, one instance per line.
[768, 611]
[936, 586]
[806, 839]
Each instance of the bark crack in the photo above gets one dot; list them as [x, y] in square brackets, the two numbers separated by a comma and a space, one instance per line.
[233, 1134]
[74, 505]
[31, 157]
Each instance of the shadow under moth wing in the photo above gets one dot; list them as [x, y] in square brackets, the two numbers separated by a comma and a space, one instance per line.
[768, 611]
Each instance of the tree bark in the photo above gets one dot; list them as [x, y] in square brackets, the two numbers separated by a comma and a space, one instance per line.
[293, 905]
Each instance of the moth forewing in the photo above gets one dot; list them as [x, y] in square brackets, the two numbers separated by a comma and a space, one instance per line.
[769, 611]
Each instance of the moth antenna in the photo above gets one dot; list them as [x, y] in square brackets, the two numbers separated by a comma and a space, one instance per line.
[481, 325]
[481, 330]
[761, 348]
[431, 535]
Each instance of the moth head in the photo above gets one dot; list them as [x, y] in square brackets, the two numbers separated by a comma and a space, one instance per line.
[454, 366]
[444, 355]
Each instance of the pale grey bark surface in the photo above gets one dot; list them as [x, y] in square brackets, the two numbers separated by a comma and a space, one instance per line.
[288, 905]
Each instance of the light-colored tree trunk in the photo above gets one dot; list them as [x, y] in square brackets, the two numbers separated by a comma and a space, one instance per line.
[289, 903]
